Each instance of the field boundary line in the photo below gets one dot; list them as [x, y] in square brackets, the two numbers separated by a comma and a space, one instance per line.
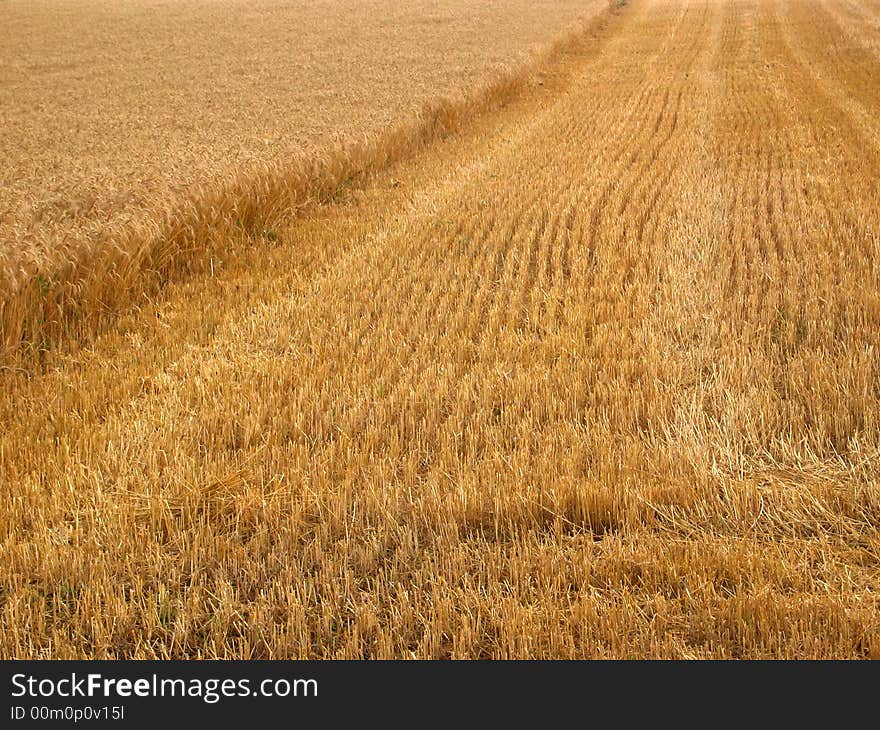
[49, 303]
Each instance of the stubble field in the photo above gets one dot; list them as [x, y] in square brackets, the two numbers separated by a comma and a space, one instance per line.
[595, 375]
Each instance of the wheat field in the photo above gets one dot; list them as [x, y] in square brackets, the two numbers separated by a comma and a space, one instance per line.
[139, 136]
[593, 373]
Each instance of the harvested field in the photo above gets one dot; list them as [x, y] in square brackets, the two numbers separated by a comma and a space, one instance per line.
[595, 376]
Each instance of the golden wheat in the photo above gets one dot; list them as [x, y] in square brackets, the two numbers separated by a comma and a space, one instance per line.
[139, 137]
[595, 377]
